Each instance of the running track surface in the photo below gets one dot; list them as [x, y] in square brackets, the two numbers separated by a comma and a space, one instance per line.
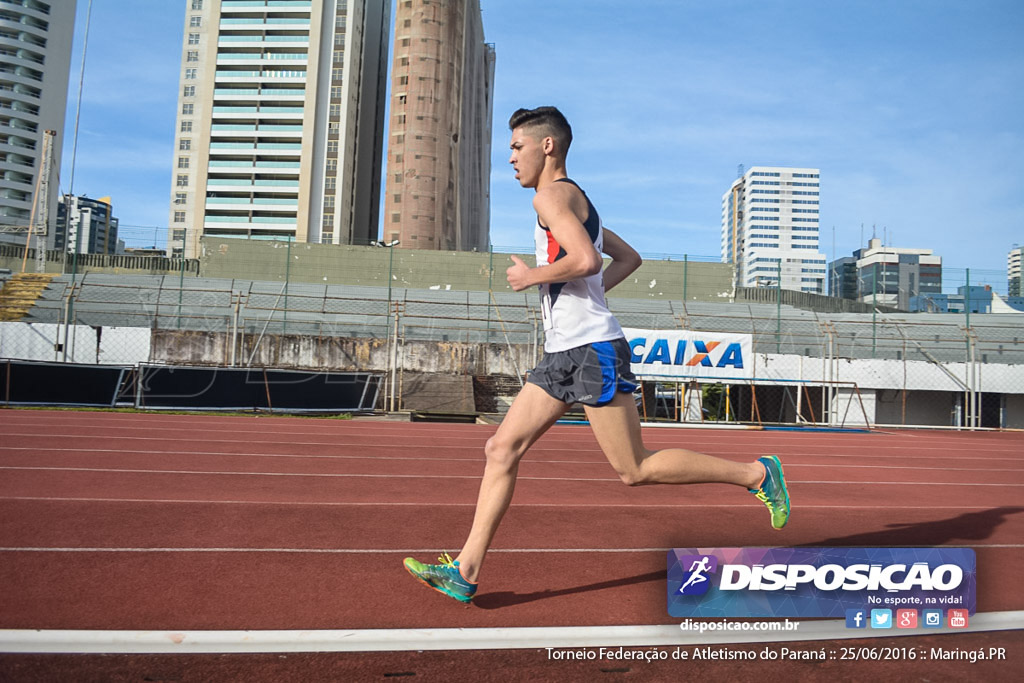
[178, 523]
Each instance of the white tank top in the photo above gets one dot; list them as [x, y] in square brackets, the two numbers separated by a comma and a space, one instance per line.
[575, 312]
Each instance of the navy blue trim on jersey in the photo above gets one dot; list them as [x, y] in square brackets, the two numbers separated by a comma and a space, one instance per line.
[593, 223]
[554, 289]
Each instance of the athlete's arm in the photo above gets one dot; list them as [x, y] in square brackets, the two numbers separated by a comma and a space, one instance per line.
[554, 206]
[624, 259]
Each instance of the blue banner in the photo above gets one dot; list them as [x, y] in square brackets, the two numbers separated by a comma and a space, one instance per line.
[684, 354]
[817, 582]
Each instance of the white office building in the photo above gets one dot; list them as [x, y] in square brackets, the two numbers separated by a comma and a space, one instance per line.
[892, 276]
[770, 228]
[280, 122]
[35, 56]
[1013, 271]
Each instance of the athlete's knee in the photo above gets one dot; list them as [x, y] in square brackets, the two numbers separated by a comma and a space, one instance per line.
[632, 476]
[632, 471]
[500, 453]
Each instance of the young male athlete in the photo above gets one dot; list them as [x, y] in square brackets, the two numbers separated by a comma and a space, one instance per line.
[586, 360]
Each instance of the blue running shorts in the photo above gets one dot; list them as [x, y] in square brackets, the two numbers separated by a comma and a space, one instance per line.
[591, 374]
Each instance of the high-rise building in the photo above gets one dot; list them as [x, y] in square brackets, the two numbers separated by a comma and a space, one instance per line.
[85, 226]
[1013, 271]
[770, 229]
[280, 121]
[439, 143]
[842, 278]
[890, 276]
[35, 56]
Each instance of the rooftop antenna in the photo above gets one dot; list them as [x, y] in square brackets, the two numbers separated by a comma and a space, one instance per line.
[739, 171]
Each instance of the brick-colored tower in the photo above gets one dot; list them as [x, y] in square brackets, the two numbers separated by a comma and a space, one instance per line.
[439, 144]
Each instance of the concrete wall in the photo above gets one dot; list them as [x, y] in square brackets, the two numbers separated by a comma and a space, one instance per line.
[85, 344]
[371, 266]
[922, 407]
[186, 347]
[850, 407]
[112, 264]
[427, 269]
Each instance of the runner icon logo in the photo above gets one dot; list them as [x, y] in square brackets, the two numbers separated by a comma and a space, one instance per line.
[696, 581]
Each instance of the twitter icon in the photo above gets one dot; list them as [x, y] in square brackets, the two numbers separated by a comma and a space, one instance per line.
[881, 618]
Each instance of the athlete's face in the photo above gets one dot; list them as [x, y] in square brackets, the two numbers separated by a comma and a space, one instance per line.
[527, 157]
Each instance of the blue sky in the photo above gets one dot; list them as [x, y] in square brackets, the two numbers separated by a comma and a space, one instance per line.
[911, 109]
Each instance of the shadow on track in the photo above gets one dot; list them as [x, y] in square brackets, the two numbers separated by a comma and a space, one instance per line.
[507, 599]
[971, 526]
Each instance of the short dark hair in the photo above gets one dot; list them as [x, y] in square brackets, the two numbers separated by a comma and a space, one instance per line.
[549, 120]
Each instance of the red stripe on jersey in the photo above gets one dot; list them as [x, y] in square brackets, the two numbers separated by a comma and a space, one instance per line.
[553, 248]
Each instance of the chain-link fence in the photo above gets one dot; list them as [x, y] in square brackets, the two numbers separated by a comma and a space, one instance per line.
[960, 369]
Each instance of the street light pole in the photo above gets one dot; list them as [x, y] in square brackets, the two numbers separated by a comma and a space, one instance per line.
[392, 346]
[391, 262]
[181, 275]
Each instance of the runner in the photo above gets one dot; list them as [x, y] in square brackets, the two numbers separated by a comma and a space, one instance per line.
[586, 360]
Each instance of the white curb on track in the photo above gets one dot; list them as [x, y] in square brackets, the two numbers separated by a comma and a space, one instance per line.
[383, 640]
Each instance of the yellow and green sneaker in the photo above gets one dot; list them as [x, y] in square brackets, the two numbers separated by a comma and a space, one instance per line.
[444, 578]
[772, 491]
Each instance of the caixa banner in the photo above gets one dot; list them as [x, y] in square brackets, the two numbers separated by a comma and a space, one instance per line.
[685, 353]
[817, 582]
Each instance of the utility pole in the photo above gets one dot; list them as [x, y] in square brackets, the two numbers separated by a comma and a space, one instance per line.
[42, 218]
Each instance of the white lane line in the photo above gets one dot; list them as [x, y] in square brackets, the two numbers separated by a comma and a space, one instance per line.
[477, 443]
[386, 551]
[403, 640]
[330, 503]
[478, 457]
[455, 476]
[595, 462]
[913, 438]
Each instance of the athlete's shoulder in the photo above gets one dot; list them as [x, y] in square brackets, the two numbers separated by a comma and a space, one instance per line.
[557, 197]
[555, 193]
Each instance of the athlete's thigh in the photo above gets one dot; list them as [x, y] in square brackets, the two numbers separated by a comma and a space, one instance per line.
[532, 413]
[616, 425]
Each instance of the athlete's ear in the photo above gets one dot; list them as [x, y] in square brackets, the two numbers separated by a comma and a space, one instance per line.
[549, 145]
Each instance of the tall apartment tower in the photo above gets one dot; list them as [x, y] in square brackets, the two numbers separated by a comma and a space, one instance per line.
[770, 220]
[280, 121]
[35, 56]
[439, 145]
[1013, 271]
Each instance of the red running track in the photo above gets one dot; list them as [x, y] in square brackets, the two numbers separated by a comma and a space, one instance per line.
[167, 522]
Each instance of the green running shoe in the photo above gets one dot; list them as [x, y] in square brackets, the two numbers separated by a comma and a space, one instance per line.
[773, 492]
[444, 578]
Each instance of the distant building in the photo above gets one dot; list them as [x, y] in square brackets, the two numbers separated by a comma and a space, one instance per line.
[770, 227]
[976, 299]
[280, 124]
[145, 251]
[85, 226]
[888, 276]
[1013, 271]
[842, 278]
[35, 56]
[439, 142]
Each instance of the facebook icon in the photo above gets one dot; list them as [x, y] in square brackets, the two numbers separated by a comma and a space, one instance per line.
[856, 618]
